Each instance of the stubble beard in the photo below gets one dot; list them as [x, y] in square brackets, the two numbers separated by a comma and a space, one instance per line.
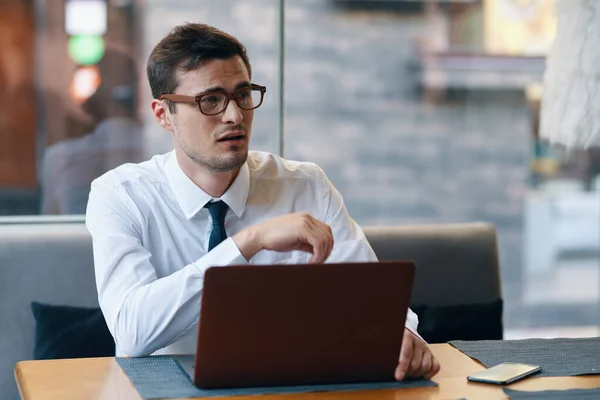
[234, 160]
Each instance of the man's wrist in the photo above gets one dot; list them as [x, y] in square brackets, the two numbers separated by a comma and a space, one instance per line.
[247, 241]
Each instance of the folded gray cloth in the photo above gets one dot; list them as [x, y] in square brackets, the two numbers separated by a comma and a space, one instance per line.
[571, 394]
[557, 357]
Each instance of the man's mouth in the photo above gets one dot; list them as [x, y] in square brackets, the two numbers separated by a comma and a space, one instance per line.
[231, 138]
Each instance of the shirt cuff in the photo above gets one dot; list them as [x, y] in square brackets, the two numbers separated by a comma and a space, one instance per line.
[412, 321]
[226, 253]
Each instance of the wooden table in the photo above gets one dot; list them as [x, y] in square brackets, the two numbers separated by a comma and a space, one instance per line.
[103, 379]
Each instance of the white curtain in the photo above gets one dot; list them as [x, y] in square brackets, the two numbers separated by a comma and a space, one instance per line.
[570, 113]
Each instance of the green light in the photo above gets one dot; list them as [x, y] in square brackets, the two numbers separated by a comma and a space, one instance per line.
[86, 49]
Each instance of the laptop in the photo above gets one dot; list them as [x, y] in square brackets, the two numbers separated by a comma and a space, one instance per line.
[273, 325]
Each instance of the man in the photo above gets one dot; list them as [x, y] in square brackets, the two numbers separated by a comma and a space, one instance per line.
[115, 137]
[158, 225]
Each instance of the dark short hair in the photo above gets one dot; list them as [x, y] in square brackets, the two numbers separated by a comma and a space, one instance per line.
[185, 48]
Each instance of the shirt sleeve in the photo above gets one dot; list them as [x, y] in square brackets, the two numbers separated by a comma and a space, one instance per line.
[351, 245]
[143, 313]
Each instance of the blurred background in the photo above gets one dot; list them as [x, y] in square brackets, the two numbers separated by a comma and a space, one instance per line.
[419, 112]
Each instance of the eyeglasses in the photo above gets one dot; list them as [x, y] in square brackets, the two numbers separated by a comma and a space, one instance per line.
[213, 103]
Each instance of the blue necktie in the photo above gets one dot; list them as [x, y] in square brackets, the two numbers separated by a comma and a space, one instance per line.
[217, 209]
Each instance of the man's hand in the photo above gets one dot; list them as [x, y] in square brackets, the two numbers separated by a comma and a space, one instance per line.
[298, 231]
[416, 360]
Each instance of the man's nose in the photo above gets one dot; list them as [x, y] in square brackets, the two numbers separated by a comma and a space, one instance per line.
[233, 113]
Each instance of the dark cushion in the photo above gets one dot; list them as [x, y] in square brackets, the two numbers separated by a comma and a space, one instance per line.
[70, 332]
[479, 321]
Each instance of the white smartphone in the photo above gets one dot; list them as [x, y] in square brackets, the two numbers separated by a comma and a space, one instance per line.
[505, 373]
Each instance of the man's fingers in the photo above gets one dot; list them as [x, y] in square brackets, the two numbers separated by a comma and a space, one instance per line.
[415, 363]
[322, 242]
[426, 364]
[406, 354]
[328, 237]
[319, 238]
[304, 247]
[316, 243]
[416, 359]
[435, 368]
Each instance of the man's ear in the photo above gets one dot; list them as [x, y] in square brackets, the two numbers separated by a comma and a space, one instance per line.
[161, 112]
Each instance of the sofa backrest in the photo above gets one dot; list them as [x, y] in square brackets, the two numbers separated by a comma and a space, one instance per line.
[456, 263]
[49, 260]
[41, 259]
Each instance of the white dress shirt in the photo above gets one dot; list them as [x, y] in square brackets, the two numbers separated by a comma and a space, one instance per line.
[150, 235]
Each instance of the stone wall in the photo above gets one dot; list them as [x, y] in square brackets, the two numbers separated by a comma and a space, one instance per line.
[352, 107]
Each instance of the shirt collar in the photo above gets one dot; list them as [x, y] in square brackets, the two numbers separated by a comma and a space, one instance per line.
[192, 198]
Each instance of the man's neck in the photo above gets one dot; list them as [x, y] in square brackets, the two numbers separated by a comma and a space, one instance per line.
[213, 183]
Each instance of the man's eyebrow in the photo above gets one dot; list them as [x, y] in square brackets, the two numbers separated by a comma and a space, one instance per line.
[222, 90]
[242, 85]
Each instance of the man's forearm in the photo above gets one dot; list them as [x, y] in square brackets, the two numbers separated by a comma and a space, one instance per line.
[155, 315]
[148, 317]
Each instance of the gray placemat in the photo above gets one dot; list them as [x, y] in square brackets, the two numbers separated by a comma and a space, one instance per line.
[571, 394]
[557, 357]
[161, 377]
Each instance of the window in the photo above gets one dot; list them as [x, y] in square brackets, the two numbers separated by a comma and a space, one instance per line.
[418, 111]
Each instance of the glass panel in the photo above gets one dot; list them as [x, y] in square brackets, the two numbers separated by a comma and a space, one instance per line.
[87, 76]
[418, 113]
[77, 104]
[18, 177]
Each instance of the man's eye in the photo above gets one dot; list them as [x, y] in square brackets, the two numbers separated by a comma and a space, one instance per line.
[244, 95]
[210, 99]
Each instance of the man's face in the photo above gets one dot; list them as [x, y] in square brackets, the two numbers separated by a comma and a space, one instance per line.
[207, 140]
